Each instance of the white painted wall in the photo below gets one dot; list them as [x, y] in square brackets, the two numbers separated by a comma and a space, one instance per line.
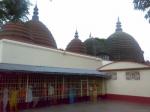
[21, 53]
[121, 86]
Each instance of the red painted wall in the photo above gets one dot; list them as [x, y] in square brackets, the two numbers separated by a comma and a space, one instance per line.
[135, 99]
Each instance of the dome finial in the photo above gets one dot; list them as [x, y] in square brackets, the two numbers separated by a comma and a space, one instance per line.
[35, 13]
[76, 34]
[118, 26]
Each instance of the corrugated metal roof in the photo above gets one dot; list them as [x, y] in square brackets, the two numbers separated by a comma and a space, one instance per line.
[51, 70]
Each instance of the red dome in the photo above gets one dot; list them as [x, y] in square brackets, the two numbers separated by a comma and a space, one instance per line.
[40, 34]
[76, 45]
[15, 31]
[34, 32]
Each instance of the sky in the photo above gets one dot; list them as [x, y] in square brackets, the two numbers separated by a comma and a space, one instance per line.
[63, 17]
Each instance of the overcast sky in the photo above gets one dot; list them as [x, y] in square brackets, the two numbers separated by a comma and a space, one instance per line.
[99, 17]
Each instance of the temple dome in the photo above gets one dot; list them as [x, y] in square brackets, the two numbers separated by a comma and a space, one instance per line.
[15, 31]
[39, 33]
[123, 47]
[33, 32]
[76, 45]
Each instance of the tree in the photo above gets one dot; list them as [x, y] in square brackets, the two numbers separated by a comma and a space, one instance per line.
[96, 46]
[14, 10]
[143, 5]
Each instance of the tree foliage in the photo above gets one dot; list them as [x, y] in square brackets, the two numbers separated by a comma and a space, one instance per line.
[14, 10]
[143, 5]
[96, 46]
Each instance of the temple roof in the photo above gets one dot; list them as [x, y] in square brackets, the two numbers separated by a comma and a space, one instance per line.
[76, 45]
[33, 31]
[123, 47]
[50, 70]
[39, 33]
[15, 31]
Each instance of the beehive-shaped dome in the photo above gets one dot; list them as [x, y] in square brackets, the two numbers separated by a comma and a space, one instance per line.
[123, 47]
[15, 31]
[76, 45]
[33, 32]
[39, 32]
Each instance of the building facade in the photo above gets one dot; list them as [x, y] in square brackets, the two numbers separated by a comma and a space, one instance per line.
[33, 72]
[129, 81]
[43, 76]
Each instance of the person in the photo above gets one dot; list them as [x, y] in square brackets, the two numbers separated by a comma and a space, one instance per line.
[63, 90]
[35, 97]
[95, 93]
[22, 94]
[5, 99]
[13, 100]
[44, 92]
[91, 93]
[51, 94]
[71, 95]
[50, 90]
[29, 96]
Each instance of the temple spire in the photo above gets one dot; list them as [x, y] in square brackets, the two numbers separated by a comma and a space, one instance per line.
[76, 35]
[118, 26]
[35, 13]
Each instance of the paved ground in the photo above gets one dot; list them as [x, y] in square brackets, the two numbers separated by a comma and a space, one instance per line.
[101, 106]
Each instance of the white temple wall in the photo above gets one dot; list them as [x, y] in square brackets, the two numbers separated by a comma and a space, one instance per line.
[121, 86]
[21, 53]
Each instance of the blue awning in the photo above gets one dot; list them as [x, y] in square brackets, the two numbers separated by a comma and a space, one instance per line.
[51, 70]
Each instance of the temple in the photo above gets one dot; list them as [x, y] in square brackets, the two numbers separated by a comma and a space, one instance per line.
[31, 65]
